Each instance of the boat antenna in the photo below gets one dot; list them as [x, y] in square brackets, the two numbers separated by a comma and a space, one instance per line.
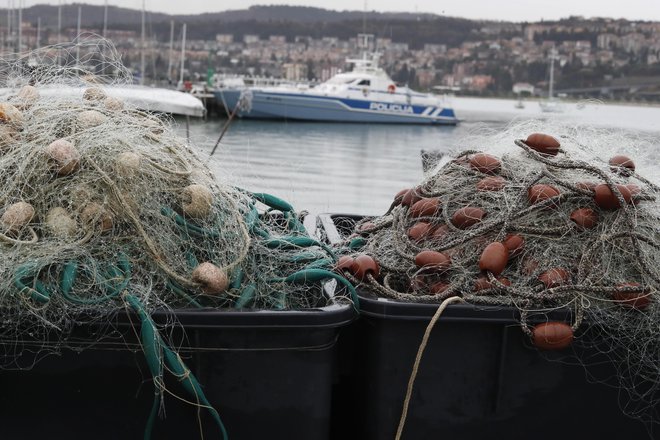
[169, 62]
[105, 19]
[364, 18]
[183, 54]
[78, 36]
[552, 72]
[142, 68]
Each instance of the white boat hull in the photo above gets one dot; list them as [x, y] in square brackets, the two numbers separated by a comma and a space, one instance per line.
[310, 107]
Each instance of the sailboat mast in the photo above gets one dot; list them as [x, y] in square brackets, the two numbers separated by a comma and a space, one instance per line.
[38, 45]
[78, 36]
[142, 47]
[105, 19]
[59, 22]
[183, 53]
[20, 25]
[8, 23]
[552, 73]
[169, 62]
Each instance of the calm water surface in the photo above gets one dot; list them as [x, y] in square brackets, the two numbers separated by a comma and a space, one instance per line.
[344, 168]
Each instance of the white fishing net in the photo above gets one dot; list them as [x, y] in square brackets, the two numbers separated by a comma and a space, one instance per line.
[104, 209]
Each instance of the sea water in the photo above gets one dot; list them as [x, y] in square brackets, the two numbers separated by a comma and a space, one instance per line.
[358, 168]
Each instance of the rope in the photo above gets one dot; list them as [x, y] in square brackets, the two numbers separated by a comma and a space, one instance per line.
[418, 359]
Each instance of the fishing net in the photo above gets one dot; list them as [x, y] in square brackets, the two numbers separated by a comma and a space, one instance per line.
[540, 224]
[104, 209]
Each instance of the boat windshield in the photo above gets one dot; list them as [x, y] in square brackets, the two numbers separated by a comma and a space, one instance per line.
[340, 80]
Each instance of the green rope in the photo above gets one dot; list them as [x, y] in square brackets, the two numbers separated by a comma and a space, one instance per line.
[307, 276]
[186, 226]
[246, 296]
[297, 242]
[157, 353]
[25, 281]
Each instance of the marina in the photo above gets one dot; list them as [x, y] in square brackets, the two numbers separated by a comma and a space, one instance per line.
[273, 237]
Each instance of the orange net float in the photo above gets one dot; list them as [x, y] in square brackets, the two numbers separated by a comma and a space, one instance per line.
[552, 335]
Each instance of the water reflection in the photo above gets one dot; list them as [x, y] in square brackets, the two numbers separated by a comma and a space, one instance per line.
[320, 167]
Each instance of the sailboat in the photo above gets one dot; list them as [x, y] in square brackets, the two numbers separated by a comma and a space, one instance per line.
[551, 105]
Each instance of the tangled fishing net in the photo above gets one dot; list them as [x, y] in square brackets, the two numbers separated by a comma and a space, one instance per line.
[539, 223]
[104, 209]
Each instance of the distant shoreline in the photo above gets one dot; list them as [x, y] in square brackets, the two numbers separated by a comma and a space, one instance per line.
[563, 100]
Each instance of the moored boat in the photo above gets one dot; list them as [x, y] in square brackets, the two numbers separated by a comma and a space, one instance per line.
[365, 94]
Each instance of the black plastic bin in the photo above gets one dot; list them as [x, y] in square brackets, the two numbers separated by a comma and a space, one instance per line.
[480, 377]
[268, 373]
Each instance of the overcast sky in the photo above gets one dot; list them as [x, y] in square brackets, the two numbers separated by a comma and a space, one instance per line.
[515, 10]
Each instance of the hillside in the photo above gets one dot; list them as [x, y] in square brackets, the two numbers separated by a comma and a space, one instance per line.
[290, 21]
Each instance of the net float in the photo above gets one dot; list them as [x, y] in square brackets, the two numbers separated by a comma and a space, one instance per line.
[585, 218]
[485, 163]
[432, 261]
[544, 144]
[425, 208]
[467, 217]
[622, 164]
[419, 231]
[636, 299]
[196, 201]
[411, 197]
[483, 283]
[16, 216]
[606, 199]
[363, 266]
[554, 277]
[439, 232]
[81, 194]
[418, 282]
[10, 115]
[438, 287]
[8, 136]
[90, 118]
[635, 190]
[345, 263]
[64, 155]
[154, 128]
[586, 186]
[491, 183]
[552, 335]
[60, 223]
[514, 244]
[27, 96]
[494, 258]
[541, 192]
[113, 104]
[127, 164]
[93, 211]
[211, 278]
[94, 94]
[365, 227]
[398, 198]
